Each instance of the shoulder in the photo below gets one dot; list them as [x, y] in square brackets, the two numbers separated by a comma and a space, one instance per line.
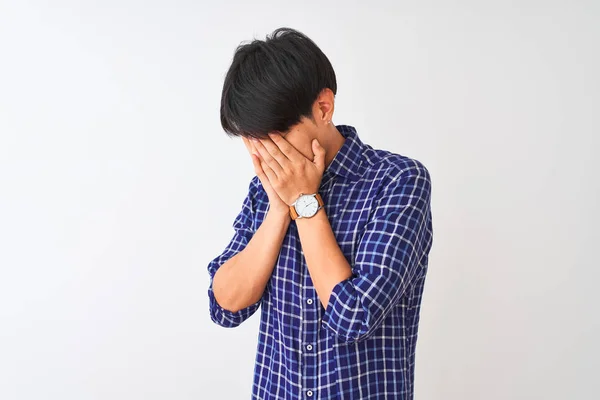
[254, 188]
[257, 193]
[254, 184]
[395, 169]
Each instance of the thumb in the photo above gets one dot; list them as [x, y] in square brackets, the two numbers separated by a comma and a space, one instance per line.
[319, 151]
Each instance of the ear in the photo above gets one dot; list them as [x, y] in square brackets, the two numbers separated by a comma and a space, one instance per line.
[324, 106]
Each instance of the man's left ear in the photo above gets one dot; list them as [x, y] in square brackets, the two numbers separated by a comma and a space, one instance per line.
[325, 104]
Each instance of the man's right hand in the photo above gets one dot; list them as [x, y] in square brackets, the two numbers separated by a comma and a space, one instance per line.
[276, 205]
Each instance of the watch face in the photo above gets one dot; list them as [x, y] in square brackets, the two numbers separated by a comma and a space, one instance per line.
[307, 205]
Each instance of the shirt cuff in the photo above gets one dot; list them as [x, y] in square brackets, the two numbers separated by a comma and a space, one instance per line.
[227, 318]
[341, 315]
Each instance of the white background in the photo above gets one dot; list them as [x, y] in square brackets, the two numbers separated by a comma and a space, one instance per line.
[118, 186]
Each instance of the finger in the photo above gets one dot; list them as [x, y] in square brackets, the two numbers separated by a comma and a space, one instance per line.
[276, 152]
[319, 152]
[290, 152]
[247, 144]
[268, 158]
[257, 167]
[253, 149]
[268, 171]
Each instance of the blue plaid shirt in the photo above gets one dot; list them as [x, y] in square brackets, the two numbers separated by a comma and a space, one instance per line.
[362, 346]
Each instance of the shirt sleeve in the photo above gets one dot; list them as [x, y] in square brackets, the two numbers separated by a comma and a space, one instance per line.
[388, 259]
[243, 231]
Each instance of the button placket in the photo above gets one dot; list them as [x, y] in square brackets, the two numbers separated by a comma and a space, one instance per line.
[309, 338]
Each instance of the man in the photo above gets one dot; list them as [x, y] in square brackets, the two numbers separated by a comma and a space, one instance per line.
[332, 239]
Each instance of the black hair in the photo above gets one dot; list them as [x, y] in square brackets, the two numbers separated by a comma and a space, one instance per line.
[272, 84]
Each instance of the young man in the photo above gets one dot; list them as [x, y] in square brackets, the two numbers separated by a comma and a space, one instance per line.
[332, 239]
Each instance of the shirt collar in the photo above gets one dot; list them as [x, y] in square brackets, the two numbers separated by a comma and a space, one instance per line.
[348, 160]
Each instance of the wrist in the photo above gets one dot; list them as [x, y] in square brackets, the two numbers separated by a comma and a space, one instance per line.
[282, 216]
[320, 215]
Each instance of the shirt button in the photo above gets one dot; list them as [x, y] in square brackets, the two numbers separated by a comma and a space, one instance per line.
[309, 393]
[309, 301]
[309, 347]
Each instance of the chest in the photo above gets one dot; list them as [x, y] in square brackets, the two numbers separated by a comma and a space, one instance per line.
[348, 206]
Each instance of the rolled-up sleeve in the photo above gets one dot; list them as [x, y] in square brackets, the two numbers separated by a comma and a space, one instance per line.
[243, 231]
[388, 259]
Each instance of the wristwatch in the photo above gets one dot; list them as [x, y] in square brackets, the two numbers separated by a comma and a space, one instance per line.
[306, 205]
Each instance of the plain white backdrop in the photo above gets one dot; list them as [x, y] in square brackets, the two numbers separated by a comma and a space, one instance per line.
[118, 186]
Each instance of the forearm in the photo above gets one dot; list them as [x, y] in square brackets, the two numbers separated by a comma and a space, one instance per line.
[241, 280]
[326, 263]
